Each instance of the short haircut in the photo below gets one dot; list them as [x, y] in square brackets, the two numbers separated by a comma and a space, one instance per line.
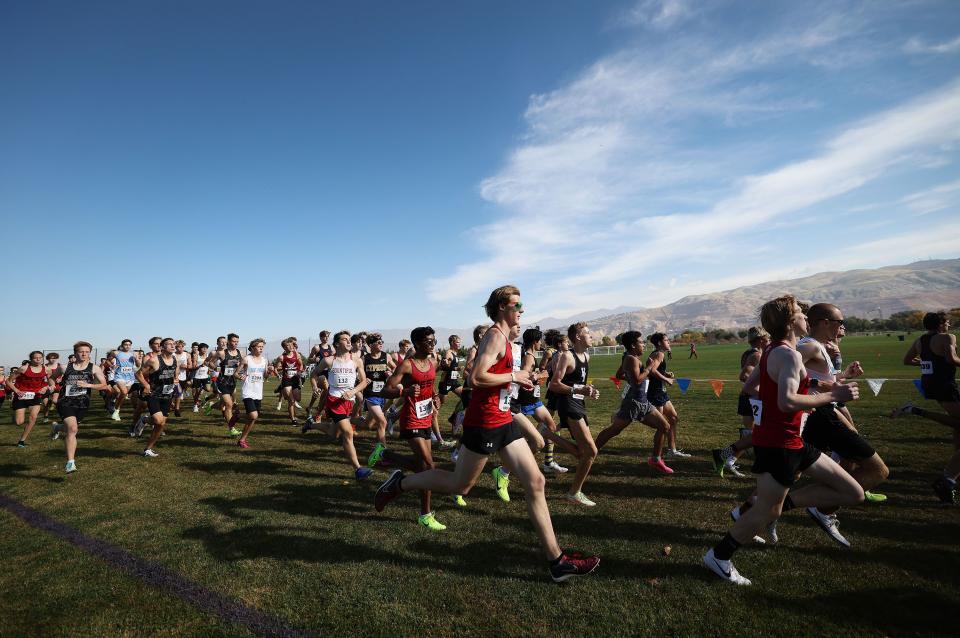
[337, 336]
[756, 334]
[933, 320]
[255, 342]
[152, 339]
[550, 337]
[574, 329]
[630, 338]
[374, 337]
[181, 342]
[324, 334]
[31, 355]
[404, 342]
[531, 336]
[478, 332]
[419, 334]
[657, 338]
[500, 296]
[81, 344]
[53, 355]
[164, 340]
[821, 311]
[357, 338]
[202, 346]
[775, 315]
[126, 341]
[233, 335]
[453, 338]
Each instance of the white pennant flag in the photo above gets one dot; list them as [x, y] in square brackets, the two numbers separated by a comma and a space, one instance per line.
[875, 385]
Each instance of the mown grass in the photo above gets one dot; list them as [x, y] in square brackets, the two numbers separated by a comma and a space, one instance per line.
[284, 528]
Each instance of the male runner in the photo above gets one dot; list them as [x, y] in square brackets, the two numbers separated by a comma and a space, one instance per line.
[140, 406]
[254, 368]
[201, 375]
[532, 407]
[935, 353]
[183, 361]
[54, 371]
[228, 360]
[79, 379]
[377, 367]
[488, 428]
[725, 459]
[29, 386]
[290, 365]
[781, 454]
[158, 377]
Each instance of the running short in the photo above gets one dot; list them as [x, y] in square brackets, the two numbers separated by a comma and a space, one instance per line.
[633, 410]
[20, 404]
[416, 433]
[338, 409]
[658, 399]
[944, 392]
[782, 464]
[570, 410]
[67, 411]
[515, 407]
[552, 400]
[157, 404]
[251, 405]
[743, 405]
[293, 382]
[378, 401]
[826, 432]
[448, 386]
[226, 386]
[530, 409]
[490, 440]
[200, 384]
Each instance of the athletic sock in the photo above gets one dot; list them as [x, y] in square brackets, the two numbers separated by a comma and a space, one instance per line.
[548, 453]
[556, 561]
[787, 504]
[725, 548]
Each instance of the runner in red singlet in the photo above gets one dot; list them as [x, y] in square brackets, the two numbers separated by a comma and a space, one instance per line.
[29, 386]
[489, 427]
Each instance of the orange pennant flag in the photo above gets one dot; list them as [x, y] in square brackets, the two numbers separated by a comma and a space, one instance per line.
[616, 382]
[717, 386]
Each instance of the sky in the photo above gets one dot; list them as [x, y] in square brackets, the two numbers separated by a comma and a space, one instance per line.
[188, 169]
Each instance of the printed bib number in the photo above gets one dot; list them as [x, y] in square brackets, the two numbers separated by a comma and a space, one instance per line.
[578, 397]
[229, 372]
[536, 391]
[342, 380]
[26, 396]
[291, 374]
[454, 374]
[75, 391]
[255, 378]
[182, 376]
[167, 389]
[756, 406]
[377, 386]
[504, 404]
[926, 367]
[201, 373]
[126, 369]
[423, 408]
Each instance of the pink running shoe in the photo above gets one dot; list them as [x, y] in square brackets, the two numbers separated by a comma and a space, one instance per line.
[659, 466]
[243, 444]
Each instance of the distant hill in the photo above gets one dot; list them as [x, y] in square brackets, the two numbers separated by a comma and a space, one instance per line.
[867, 293]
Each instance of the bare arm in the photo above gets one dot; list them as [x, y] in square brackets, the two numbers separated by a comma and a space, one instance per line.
[393, 389]
[787, 367]
[912, 358]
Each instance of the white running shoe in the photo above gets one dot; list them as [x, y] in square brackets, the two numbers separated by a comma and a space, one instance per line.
[579, 498]
[116, 415]
[55, 431]
[724, 569]
[759, 540]
[196, 408]
[735, 513]
[772, 533]
[297, 405]
[554, 468]
[138, 428]
[679, 454]
[903, 409]
[150, 453]
[829, 524]
[455, 455]
[71, 467]
[280, 406]
[734, 469]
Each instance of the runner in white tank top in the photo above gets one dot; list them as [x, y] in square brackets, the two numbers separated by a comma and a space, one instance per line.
[254, 368]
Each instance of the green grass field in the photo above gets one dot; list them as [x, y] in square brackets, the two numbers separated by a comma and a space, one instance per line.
[285, 529]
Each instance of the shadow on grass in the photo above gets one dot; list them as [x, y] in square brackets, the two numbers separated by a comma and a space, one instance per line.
[20, 472]
[269, 468]
[322, 501]
[91, 452]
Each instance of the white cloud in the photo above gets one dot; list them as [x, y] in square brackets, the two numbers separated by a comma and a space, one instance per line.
[918, 46]
[659, 14]
[933, 199]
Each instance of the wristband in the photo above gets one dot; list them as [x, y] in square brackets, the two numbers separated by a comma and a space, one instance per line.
[578, 388]
[513, 377]
[814, 383]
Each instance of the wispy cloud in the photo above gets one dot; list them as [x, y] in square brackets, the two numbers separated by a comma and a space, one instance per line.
[658, 14]
[933, 199]
[919, 46]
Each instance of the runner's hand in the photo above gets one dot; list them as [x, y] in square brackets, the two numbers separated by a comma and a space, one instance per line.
[843, 392]
[853, 370]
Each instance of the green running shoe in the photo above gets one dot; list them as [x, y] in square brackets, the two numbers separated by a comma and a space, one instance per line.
[207, 408]
[502, 481]
[376, 455]
[428, 521]
[235, 432]
[873, 497]
[459, 502]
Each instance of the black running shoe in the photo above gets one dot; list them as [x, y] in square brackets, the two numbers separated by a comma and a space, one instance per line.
[388, 491]
[946, 490]
[573, 564]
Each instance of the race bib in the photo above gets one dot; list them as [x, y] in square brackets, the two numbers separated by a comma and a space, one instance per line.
[926, 367]
[504, 403]
[756, 406]
[291, 373]
[536, 391]
[183, 375]
[255, 378]
[126, 369]
[167, 389]
[75, 391]
[454, 374]
[229, 372]
[377, 386]
[626, 388]
[423, 408]
[201, 373]
[26, 396]
[342, 379]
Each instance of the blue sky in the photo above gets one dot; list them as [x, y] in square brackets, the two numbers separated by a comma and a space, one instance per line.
[189, 169]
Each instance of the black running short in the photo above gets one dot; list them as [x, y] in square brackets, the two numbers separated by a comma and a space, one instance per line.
[570, 409]
[743, 405]
[552, 400]
[251, 405]
[944, 392]
[20, 404]
[490, 440]
[448, 386]
[226, 387]
[201, 384]
[658, 399]
[417, 433]
[782, 464]
[293, 382]
[826, 432]
[158, 404]
[67, 411]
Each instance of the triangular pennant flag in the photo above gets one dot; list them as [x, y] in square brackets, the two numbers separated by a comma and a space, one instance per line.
[683, 383]
[919, 385]
[717, 386]
[616, 382]
[875, 385]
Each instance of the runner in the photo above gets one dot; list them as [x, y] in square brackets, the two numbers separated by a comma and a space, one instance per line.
[254, 368]
[158, 377]
[184, 364]
[109, 368]
[140, 413]
[79, 379]
[450, 367]
[3, 385]
[569, 383]
[781, 455]
[634, 406]
[123, 376]
[213, 363]
[657, 393]
[54, 372]
[394, 411]
[347, 380]
[748, 407]
[413, 381]
[29, 386]
[201, 375]
[488, 428]
[531, 406]
[317, 353]
[693, 351]
[228, 360]
[377, 367]
[290, 365]
[935, 353]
